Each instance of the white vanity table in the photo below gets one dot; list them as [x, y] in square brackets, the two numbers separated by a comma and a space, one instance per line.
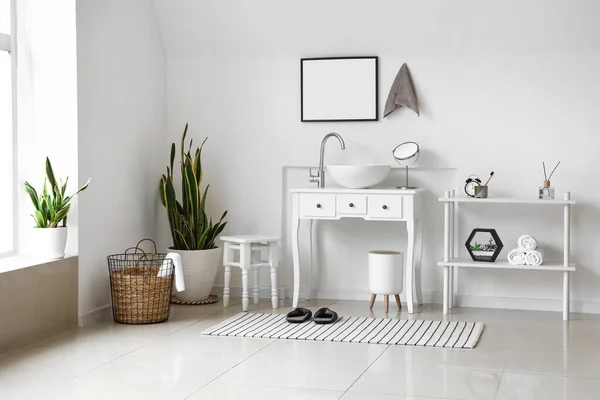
[385, 204]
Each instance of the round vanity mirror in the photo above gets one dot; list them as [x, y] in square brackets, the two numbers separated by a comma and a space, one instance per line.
[406, 154]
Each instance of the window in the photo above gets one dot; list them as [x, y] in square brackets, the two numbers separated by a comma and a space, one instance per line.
[8, 211]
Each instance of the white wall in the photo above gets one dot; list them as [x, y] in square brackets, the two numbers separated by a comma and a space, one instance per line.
[502, 86]
[121, 69]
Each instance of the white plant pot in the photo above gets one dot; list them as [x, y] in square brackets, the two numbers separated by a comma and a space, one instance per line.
[49, 243]
[199, 272]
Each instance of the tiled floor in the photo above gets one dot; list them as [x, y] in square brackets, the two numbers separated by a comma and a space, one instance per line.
[521, 355]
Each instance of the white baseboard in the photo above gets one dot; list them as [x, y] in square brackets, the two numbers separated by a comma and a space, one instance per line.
[265, 292]
[99, 314]
[515, 303]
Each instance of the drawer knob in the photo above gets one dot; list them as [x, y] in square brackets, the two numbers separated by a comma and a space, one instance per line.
[384, 207]
[318, 206]
[351, 205]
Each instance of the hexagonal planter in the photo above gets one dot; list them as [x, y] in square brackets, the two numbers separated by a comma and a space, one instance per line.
[484, 245]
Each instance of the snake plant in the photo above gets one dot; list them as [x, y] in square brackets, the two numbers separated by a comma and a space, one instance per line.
[52, 206]
[191, 228]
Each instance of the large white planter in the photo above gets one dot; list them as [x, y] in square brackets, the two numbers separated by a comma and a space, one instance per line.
[49, 243]
[199, 272]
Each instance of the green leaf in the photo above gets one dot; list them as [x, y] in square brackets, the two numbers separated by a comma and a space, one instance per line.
[40, 220]
[61, 214]
[32, 194]
[183, 245]
[50, 174]
[64, 187]
[183, 140]
[172, 214]
[45, 188]
[172, 158]
[192, 193]
[161, 190]
[81, 189]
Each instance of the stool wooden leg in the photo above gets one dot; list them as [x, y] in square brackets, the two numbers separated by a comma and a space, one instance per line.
[397, 296]
[245, 262]
[373, 297]
[226, 284]
[256, 285]
[386, 302]
[227, 258]
[274, 261]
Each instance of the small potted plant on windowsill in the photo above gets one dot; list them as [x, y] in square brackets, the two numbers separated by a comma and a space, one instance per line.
[50, 216]
[194, 233]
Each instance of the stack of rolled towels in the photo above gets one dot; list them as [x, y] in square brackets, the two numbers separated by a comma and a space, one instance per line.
[526, 252]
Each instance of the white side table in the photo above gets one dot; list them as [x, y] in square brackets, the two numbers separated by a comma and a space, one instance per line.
[250, 248]
[452, 263]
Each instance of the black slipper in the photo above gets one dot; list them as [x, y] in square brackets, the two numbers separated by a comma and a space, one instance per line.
[325, 316]
[298, 316]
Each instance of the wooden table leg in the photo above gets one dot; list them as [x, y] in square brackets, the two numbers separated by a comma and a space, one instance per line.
[397, 296]
[386, 302]
[373, 297]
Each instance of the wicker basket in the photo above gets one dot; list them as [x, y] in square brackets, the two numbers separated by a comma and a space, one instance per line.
[139, 294]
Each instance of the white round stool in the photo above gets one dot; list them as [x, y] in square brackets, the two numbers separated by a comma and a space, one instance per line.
[250, 248]
[385, 276]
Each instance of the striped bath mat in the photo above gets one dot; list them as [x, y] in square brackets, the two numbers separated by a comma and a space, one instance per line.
[455, 334]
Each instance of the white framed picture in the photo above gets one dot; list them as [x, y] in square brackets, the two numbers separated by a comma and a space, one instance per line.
[338, 89]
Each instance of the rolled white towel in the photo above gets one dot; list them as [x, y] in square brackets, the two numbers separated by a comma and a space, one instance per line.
[527, 243]
[534, 257]
[517, 257]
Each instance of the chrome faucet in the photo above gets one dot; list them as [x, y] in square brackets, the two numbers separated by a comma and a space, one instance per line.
[320, 176]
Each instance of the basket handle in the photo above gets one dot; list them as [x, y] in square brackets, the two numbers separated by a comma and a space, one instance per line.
[136, 250]
[137, 246]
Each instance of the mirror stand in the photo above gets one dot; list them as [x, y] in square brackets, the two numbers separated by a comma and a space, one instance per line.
[407, 187]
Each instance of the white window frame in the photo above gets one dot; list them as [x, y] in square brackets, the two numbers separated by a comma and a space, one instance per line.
[9, 43]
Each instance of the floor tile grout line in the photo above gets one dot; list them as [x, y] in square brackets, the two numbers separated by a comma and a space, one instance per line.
[220, 375]
[366, 369]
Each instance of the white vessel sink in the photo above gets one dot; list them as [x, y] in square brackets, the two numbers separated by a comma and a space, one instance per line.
[358, 176]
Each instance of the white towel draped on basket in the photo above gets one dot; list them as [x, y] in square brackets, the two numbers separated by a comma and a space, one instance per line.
[164, 270]
[535, 257]
[527, 243]
[517, 257]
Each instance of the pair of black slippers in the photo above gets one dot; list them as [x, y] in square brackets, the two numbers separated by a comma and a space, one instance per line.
[322, 316]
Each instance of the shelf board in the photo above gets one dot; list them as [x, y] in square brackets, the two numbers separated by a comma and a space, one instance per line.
[505, 200]
[468, 263]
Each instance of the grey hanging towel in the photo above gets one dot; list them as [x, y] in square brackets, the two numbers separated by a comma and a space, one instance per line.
[402, 93]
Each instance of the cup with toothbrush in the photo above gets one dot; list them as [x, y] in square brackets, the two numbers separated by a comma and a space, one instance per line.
[481, 191]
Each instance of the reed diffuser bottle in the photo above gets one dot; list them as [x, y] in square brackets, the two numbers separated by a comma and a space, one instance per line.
[546, 192]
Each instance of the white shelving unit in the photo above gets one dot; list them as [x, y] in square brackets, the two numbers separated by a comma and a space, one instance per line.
[450, 261]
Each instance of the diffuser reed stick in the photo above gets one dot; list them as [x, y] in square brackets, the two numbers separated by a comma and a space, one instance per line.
[545, 175]
[552, 173]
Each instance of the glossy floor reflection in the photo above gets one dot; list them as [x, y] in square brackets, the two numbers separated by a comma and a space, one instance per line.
[521, 355]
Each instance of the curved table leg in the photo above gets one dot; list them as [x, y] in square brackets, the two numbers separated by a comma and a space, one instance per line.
[309, 280]
[295, 250]
[418, 261]
[410, 265]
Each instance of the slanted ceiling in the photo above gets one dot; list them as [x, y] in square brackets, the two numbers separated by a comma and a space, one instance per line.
[193, 28]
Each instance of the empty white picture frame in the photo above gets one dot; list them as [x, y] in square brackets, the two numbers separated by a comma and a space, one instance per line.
[338, 89]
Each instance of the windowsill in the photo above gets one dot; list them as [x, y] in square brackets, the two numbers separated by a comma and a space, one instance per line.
[22, 261]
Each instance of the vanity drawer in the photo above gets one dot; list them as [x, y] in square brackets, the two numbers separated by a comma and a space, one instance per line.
[385, 206]
[317, 205]
[351, 204]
